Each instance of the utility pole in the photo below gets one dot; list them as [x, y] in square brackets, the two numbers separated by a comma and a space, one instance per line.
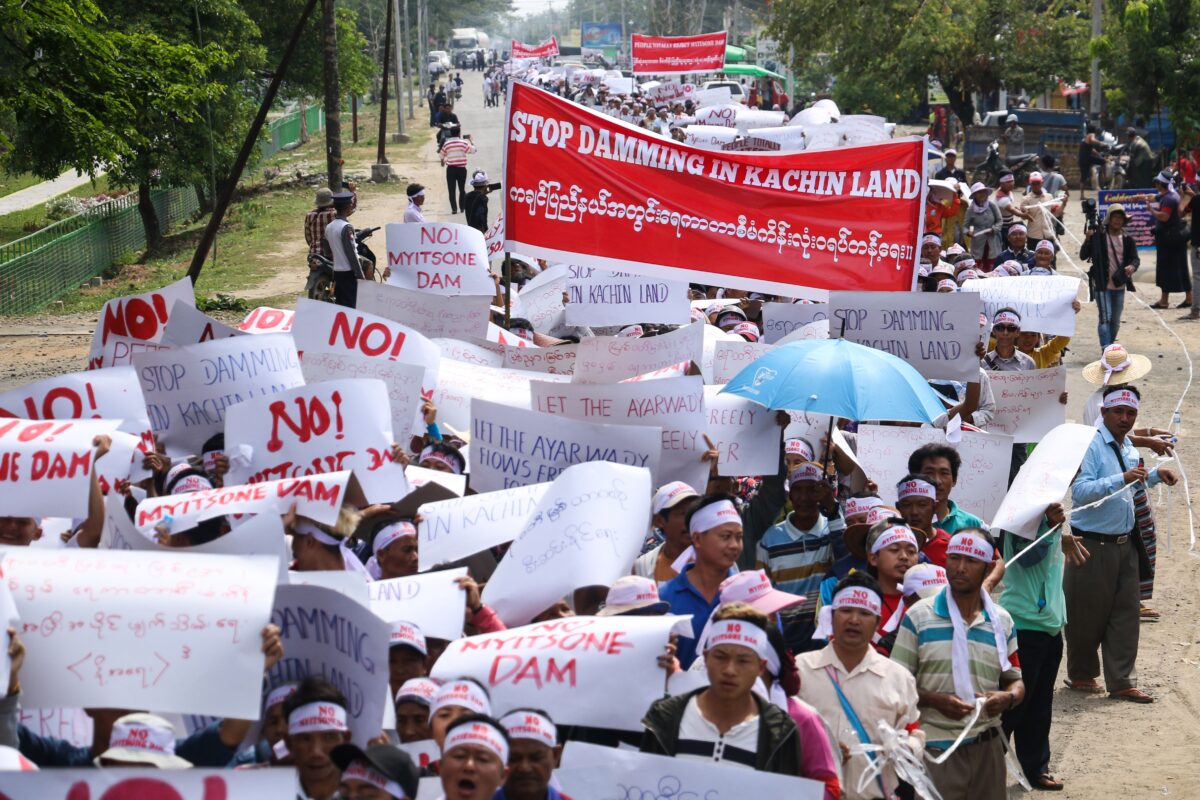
[1095, 96]
[408, 65]
[333, 99]
[395, 28]
[381, 170]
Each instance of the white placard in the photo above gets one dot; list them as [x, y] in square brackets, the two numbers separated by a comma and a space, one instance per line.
[1044, 479]
[586, 531]
[326, 427]
[419, 476]
[744, 432]
[709, 137]
[329, 634]
[718, 116]
[935, 333]
[403, 383]
[109, 393]
[318, 497]
[46, 466]
[594, 671]
[780, 319]
[613, 359]
[326, 328]
[670, 92]
[1043, 301]
[557, 360]
[883, 451]
[433, 602]
[189, 325]
[480, 355]
[786, 137]
[675, 406]
[454, 529]
[542, 300]
[730, 358]
[168, 631]
[432, 314]
[190, 390]
[717, 96]
[1027, 402]
[460, 382]
[592, 772]
[176, 784]
[517, 447]
[604, 297]
[134, 318]
[352, 585]
[439, 258]
[69, 724]
[265, 319]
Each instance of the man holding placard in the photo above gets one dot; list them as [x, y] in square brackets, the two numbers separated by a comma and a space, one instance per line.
[1102, 593]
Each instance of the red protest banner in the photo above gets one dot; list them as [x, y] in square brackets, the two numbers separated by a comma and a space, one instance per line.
[583, 188]
[667, 55]
[545, 49]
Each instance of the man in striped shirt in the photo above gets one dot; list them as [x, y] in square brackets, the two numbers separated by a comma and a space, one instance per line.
[798, 552]
[454, 152]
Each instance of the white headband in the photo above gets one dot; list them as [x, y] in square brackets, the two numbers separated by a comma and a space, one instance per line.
[390, 533]
[860, 505]
[419, 690]
[192, 483]
[1006, 318]
[317, 717]
[713, 515]
[971, 546]
[915, 488]
[530, 725]
[479, 734]
[408, 635]
[922, 576]
[350, 561]
[416, 194]
[433, 455]
[850, 597]
[1122, 397]
[279, 694]
[362, 770]
[808, 471]
[738, 632]
[893, 535]
[139, 736]
[461, 693]
[946, 283]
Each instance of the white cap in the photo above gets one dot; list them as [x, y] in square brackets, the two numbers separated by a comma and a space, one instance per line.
[670, 495]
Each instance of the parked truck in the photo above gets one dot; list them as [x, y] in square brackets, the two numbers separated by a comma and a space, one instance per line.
[465, 43]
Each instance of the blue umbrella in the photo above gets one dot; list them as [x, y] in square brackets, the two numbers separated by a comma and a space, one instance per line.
[838, 377]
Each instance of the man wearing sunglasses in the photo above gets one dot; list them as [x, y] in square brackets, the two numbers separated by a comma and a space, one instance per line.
[1006, 326]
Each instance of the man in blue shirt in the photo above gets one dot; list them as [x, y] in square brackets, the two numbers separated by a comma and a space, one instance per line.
[1102, 592]
[716, 529]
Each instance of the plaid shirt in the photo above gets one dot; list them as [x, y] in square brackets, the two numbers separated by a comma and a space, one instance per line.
[314, 230]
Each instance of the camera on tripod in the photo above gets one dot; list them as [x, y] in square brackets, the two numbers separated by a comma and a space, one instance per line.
[1090, 214]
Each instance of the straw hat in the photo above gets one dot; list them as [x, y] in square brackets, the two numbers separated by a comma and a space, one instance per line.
[1115, 367]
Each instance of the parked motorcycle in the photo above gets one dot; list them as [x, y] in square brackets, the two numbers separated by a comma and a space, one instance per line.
[994, 166]
[320, 284]
[1116, 163]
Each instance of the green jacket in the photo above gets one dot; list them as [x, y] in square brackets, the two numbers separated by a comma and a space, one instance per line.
[778, 740]
[1033, 585]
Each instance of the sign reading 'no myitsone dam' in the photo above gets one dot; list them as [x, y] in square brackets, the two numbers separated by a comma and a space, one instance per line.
[583, 188]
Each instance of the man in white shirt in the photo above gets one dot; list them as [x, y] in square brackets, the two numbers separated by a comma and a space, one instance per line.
[416, 199]
[339, 234]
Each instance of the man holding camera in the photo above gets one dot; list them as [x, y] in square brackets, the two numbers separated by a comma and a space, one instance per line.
[1114, 258]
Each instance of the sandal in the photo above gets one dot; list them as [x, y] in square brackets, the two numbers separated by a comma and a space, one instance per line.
[1132, 694]
[1149, 614]
[1160, 305]
[1089, 686]
[1185, 304]
[1046, 783]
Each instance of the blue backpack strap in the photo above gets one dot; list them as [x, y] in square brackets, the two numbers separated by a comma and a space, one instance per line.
[855, 722]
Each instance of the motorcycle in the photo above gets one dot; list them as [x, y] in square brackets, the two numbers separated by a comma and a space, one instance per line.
[320, 285]
[994, 166]
[1116, 162]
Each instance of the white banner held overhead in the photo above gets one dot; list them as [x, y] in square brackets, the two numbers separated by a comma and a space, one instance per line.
[432, 314]
[461, 382]
[780, 319]
[1044, 479]
[1028, 402]
[403, 383]
[139, 318]
[516, 447]
[883, 451]
[189, 325]
[935, 333]
[166, 784]
[438, 257]
[326, 427]
[573, 668]
[189, 390]
[46, 466]
[586, 531]
[603, 359]
[433, 602]
[673, 405]
[329, 634]
[746, 434]
[318, 497]
[1043, 301]
[454, 529]
[130, 629]
[603, 297]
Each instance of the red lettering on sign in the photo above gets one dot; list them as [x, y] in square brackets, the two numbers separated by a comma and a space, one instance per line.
[314, 419]
[514, 669]
[360, 338]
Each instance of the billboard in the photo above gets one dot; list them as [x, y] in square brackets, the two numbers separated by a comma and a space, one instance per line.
[599, 35]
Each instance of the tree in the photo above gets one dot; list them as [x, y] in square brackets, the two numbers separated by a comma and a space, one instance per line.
[333, 99]
[882, 54]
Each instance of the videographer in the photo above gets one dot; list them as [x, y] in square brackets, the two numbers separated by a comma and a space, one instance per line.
[1114, 258]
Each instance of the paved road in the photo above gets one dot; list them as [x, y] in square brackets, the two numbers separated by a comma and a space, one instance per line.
[39, 193]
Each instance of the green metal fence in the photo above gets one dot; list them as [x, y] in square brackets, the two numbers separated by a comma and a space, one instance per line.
[41, 267]
[286, 130]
